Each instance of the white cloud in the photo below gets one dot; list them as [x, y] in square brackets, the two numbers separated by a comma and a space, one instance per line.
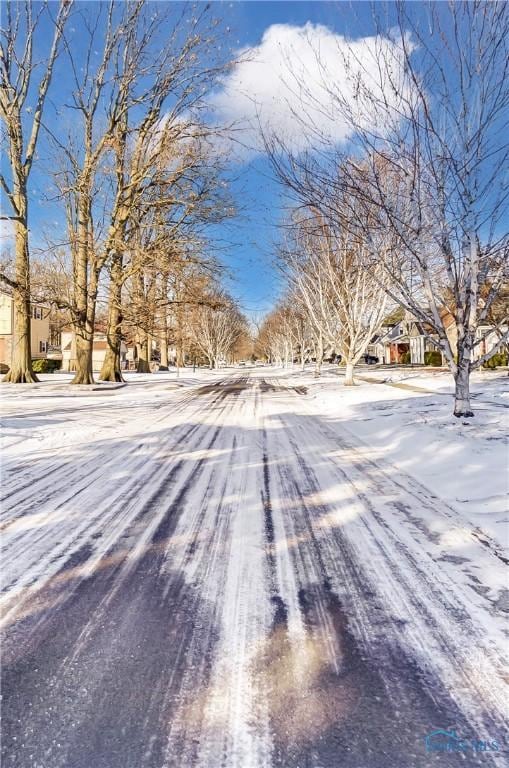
[299, 71]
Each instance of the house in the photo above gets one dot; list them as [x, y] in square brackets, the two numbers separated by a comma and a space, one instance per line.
[390, 343]
[397, 342]
[404, 334]
[408, 335]
[379, 346]
[420, 343]
[39, 329]
[424, 339]
[99, 347]
[487, 338]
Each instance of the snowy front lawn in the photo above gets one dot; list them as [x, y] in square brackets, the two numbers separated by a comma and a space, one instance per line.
[465, 462]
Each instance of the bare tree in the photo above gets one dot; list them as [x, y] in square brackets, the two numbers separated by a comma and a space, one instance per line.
[279, 334]
[301, 329]
[219, 326]
[328, 264]
[99, 100]
[428, 127]
[137, 102]
[22, 103]
[167, 173]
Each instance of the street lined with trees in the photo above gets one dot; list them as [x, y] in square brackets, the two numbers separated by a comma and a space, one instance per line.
[423, 185]
[413, 214]
[254, 282]
[138, 174]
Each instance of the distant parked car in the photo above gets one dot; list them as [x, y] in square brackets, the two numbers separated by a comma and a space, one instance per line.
[370, 359]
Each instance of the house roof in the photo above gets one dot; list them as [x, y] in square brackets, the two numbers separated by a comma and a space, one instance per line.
[446, 317]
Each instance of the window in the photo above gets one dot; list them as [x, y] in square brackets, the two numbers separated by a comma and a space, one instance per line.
[37, 313]
[43, 346]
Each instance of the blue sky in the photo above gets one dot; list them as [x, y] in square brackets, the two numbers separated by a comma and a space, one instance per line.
[254, 280]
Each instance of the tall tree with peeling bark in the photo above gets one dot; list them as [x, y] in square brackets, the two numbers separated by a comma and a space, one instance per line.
[21, 109]
[163, 160]
[138, 92]
[99, 100]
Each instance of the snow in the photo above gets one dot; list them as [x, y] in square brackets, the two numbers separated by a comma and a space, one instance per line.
[294, 540]
[465, 462]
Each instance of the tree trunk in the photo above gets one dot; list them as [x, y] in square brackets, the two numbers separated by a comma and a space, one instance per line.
[319, 357]
[163, 336]
[84, 345]
[85, 337]
[462, 391]
[149, 351]
[84, 298]
[163, 343]
[84, 349]
[20, 371]
[143, 365]
[111, 370]
[164, 353]
[180, 355]
[349, 380]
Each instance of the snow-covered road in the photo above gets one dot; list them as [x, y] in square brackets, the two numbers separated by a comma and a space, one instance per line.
[216, 576]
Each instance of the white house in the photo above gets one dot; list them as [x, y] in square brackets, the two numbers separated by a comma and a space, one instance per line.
[100, 345]
[488, 338]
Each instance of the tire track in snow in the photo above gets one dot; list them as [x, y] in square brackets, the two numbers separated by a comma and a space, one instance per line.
[235, 730]
[298, 483]
[247, 610]
[32, 557]
[344, 632]
[113, 588]
[433, 600]
[63, 473]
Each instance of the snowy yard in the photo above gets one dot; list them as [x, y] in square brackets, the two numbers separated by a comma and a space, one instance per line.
[465, 462]
[253, 567]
